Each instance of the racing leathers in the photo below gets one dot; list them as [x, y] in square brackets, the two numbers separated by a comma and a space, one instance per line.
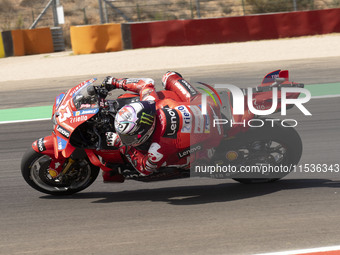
[182, 135]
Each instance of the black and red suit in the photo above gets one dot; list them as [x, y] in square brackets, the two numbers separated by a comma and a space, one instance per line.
[182, 134]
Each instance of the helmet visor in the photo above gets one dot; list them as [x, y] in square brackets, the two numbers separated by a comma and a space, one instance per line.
[137, 139]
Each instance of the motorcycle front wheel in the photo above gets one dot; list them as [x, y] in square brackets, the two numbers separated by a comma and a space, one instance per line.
[35, 168]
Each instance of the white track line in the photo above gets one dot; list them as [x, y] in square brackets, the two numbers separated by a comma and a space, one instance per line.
[304, 251]
[20, 121]
[326, 96]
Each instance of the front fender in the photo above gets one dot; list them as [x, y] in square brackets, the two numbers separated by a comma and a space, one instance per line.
[49, 146]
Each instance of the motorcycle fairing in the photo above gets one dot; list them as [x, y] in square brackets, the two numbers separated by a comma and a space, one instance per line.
[59, 99]
[66, 117]
[69, 114]
[270, 77]
[95, 160]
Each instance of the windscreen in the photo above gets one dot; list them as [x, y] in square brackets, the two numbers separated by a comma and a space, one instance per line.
[83, 100]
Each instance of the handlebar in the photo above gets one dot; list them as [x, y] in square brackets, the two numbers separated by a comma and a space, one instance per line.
[101, 93]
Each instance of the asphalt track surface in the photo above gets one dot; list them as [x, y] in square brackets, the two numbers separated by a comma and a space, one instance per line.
[188, 216]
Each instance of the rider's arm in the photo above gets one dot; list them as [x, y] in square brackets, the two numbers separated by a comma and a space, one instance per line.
[146, 163]
[174, 82]
[143, 86]
[154, 158]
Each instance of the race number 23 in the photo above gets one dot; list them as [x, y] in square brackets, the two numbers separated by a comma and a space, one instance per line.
[65, 115]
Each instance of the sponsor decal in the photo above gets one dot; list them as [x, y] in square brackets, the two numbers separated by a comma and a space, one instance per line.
[137, 80]
[61, 143]
[53, 172]
[188, 87]
[63, 131]
[87, 111]
[132, 80]
[271, 76]
[206, 122]
[182, 89]
[41, 145]
[86, 106]
[68, 127]
[146, 119]
[199, 119]
[154, 155]
[231, 155]
[172, 123]
[188, 151]
[186, 118]
[78, 119]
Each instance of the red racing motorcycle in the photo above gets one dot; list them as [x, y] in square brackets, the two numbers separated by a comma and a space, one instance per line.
[70, 159]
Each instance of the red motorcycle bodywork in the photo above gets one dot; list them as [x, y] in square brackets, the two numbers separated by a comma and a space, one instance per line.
[57, 145]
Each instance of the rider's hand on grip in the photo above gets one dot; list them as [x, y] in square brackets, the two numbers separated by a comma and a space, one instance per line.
[110, 83]
[91, 90]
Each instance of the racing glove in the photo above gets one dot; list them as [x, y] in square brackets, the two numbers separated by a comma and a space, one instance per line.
[111, 83]
[113, 139]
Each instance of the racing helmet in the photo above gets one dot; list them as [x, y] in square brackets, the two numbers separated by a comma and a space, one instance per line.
[135, 122]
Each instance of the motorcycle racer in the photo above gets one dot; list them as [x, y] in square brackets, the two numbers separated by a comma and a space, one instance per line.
[161, 131]
[165, 133]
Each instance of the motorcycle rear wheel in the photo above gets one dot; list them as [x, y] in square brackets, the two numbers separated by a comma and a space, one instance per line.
[34, 169]
[285, 138]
